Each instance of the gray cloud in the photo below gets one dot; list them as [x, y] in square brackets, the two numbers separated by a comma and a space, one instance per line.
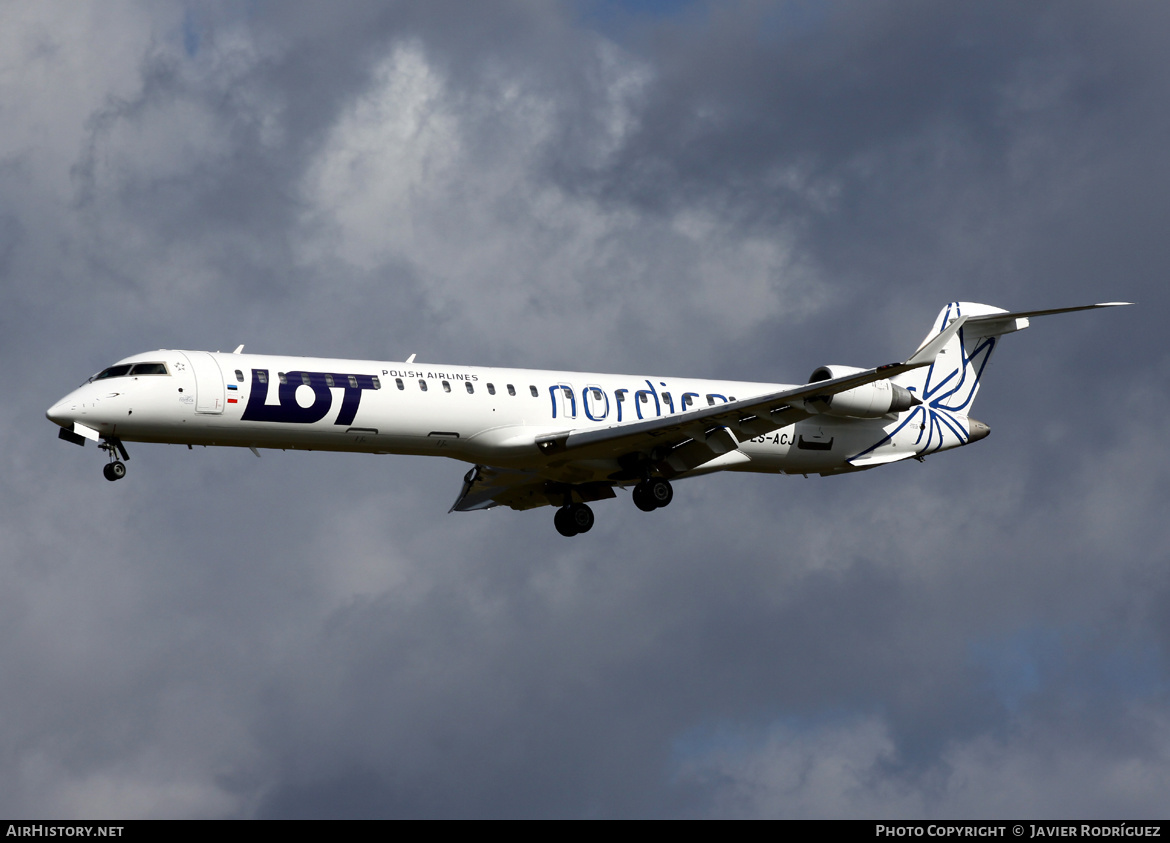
[736, 190]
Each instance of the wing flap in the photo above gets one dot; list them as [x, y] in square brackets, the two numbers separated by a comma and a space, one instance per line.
[702, 449]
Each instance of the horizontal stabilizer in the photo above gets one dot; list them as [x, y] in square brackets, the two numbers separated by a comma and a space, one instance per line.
[1024, 314]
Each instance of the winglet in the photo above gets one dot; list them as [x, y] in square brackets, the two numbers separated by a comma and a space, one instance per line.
[927, 354]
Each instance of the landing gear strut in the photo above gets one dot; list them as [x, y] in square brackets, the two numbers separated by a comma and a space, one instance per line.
[115, 469]
[573, 518]
[653, 493]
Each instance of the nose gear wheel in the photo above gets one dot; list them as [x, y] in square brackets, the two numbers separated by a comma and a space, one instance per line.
[115, 469]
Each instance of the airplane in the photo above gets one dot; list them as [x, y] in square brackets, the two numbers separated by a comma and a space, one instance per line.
[547, 438]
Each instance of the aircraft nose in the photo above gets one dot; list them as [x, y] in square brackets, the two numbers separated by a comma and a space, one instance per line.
[56, 414]
[62, 413]
[978, 430]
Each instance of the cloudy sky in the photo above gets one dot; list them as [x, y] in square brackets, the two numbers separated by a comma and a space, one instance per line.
[734, 189]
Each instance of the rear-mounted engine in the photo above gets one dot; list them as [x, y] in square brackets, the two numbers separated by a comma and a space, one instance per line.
[871, 401]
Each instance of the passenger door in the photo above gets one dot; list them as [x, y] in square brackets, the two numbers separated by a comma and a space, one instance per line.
[208, 382]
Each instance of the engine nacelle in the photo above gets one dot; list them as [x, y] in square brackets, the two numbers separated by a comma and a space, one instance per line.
[871, 401]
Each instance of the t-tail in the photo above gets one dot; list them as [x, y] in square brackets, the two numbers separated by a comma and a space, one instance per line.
[953, 380]
[947, 388]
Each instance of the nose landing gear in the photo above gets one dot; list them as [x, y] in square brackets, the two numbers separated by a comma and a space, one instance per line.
[115, 469]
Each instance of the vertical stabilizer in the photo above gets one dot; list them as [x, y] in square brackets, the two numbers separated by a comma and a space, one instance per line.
[953, 380]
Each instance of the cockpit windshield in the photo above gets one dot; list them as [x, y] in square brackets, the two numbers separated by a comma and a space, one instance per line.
[113, 372]
[123, 370]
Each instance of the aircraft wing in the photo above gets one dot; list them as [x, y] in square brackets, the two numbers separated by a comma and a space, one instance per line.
[678, 443]
[486, 486]
[687, 440]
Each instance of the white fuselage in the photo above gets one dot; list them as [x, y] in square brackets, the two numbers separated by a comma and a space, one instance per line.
[479, 415]
[545, 438]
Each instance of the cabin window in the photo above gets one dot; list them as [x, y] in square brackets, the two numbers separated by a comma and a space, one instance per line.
[329, 380]
[470, 388]
[620, 394]
[282, 377]
[239, 376]
[422, 385]
[353, 381]
[305, 379]
[491, 389]
[532, 389]
[446, 386]
[261, 375]
[644, 397]
[377, 383]
[688, 400]
[401, 385]
[511, 389]
[730, 397]
[666, 397]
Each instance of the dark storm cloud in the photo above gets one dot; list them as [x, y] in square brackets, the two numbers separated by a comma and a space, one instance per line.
[738, 190]
[932, 149]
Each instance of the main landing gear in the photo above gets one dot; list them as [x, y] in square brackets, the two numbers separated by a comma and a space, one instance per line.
[653, 493]
[115, 469]
[573, 518]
